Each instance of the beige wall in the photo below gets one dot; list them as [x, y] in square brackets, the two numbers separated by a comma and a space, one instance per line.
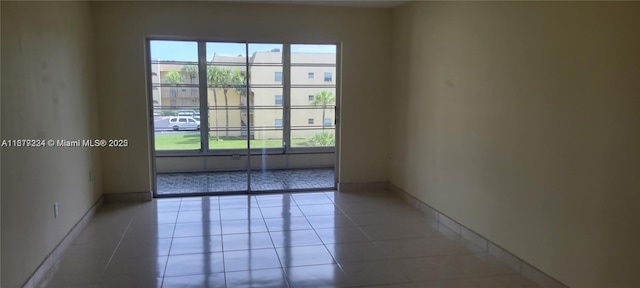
[522, 122]
[121, 28]
[48, 92]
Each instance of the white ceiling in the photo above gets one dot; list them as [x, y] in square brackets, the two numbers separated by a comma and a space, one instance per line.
[351, 3]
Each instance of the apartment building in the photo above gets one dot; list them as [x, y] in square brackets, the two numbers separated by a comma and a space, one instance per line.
[311, 74]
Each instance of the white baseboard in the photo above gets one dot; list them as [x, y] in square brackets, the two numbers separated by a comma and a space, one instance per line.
[128, 197]
[525, 269]
[362, 186]
[41, 273]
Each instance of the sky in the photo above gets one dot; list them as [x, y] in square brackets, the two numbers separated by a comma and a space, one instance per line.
[188, 50]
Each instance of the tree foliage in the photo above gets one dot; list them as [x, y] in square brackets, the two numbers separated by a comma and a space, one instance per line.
[323, 98]
[322, 139]
[191, 72]
[173, 78]
[225, 78]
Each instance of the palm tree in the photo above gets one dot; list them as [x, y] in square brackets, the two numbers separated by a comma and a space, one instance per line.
[191, 72]
[323, 98]
[238, 82]
[214, 76]
[173, 78]
[226, 78]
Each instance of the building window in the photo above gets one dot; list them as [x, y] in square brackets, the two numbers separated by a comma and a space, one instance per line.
[327, 122]
[328, 77]
[278, 123]
[310, 98]
[278, 100]
[310, 121]
[278, 77]
[311, 75]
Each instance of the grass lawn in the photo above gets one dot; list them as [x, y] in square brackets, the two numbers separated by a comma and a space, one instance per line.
[191, 141]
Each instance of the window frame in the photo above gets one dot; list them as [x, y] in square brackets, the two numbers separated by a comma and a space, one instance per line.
[204, 127]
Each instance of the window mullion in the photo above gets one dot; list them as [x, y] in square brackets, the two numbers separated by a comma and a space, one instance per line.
[286, 87]
[202, 85]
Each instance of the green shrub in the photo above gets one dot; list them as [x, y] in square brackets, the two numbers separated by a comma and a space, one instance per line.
[322, 139]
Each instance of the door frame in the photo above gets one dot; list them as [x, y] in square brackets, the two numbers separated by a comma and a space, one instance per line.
[204, 129]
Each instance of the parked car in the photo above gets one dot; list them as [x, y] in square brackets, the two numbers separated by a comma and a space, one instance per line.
[184, 123]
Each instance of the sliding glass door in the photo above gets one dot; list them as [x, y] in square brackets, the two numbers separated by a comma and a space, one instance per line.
[227, 114]
[313, 97]
[268, 118]
[247, 116]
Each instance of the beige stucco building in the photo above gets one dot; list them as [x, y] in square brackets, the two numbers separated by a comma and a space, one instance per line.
[310, 73]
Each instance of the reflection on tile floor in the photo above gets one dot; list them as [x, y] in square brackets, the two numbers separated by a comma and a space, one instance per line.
[320, 239]
[269, 180]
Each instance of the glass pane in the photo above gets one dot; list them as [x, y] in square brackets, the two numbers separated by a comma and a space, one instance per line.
[266, 76]
[265, 53]
[174, 132]
[313, 54]
[313, 95]
[227, 95]
[226, 76]
[313, 137]
[312, 117]
[267, 125]
[171, 73]
[233, 54]
[266, 65]
[313, 75]
[174, 51]
[267, 118]
[267, 80]
[227, 118]
[226, 113]
[176, 96]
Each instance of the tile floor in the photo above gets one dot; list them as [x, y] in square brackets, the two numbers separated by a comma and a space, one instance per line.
[323, 239]
[268, 180]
